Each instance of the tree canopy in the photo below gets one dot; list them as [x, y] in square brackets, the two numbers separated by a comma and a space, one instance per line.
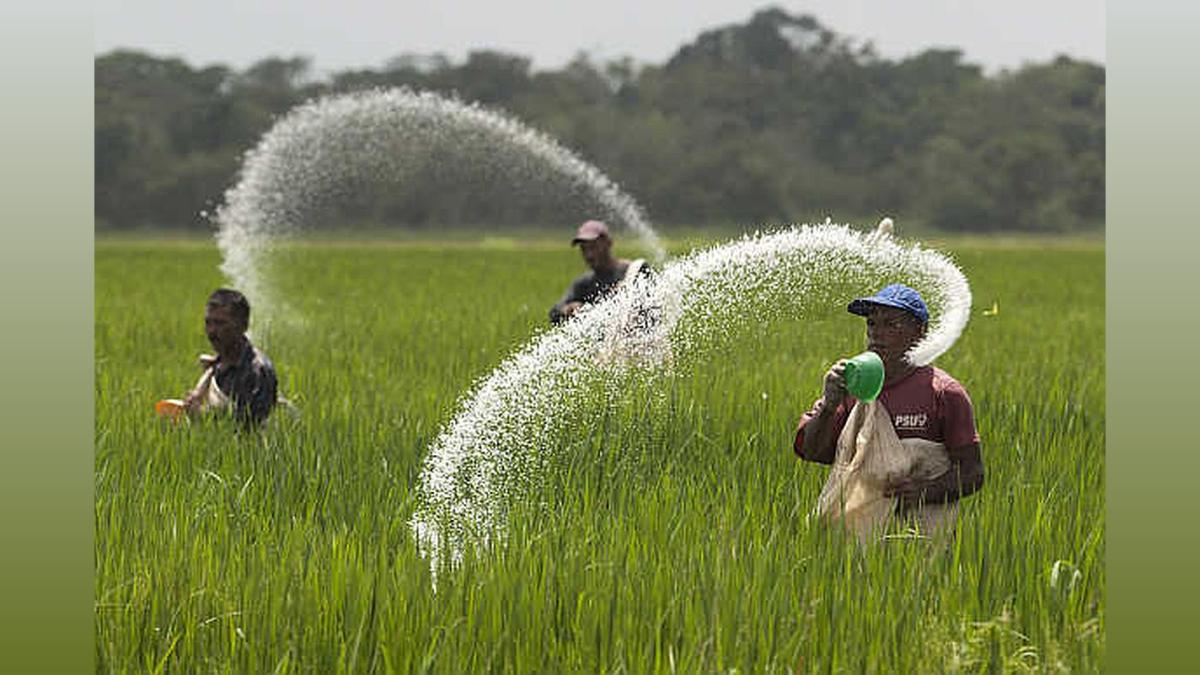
[778, 119]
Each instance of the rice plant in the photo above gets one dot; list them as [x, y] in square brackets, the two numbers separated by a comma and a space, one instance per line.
[670, 533]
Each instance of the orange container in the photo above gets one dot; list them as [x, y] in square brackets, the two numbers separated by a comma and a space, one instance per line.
[170, 407]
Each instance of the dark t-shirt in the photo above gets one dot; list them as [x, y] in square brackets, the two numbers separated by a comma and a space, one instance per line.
[250, 383]
[591, 287]
[928, 404]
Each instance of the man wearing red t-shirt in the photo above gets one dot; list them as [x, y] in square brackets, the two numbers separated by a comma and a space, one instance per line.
[922, 401]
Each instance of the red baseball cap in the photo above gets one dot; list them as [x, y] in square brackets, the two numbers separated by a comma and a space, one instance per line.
[590, 231]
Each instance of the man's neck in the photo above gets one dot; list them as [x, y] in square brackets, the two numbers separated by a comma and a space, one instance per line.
[608, 266]
[898, 371]
[234, 354]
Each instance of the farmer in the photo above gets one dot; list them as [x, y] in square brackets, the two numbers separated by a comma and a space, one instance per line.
[240, 378]
[608, 271]
[922, 402]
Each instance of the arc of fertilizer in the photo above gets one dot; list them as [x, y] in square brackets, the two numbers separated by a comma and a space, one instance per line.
[488, 450]
[321, 150]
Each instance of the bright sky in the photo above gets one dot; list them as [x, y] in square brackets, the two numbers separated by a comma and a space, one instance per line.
[357, 34]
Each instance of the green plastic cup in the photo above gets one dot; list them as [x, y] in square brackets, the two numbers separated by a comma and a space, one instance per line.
[864, 376]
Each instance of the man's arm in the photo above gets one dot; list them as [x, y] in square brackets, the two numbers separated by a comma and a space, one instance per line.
[966, 459]
[570, 303]
[964, 477]
[816, 439]
[193, 401]
[262, 399]
[254, 393]
[564, 310]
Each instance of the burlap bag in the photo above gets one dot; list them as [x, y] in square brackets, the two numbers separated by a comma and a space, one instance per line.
[212, 396]
[870, 456]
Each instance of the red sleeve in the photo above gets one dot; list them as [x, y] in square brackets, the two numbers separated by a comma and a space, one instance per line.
[840, 415]
[960, 417]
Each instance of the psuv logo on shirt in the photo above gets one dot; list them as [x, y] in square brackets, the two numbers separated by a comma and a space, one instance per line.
[911, 422]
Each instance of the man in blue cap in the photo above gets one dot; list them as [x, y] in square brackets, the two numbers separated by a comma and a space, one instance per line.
[923, 402]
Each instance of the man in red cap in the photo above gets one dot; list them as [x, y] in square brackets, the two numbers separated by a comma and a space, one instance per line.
[608, 271]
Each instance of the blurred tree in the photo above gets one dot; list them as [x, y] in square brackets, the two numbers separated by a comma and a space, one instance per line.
[490, 77]
[778, 118]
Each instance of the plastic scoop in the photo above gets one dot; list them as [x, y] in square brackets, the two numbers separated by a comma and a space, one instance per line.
[864, 376]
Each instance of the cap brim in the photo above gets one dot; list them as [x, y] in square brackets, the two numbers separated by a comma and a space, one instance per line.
[862, 307]
[580, 240]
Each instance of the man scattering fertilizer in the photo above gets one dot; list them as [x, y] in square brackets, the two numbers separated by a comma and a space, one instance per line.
[608, 272]
[240, 379]
[914, 451]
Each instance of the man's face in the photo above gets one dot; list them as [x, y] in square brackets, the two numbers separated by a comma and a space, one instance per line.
[892, 332]
[595, 252]
[222, 328]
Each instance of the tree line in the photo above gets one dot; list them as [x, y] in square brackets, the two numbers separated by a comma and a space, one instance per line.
[778, 119]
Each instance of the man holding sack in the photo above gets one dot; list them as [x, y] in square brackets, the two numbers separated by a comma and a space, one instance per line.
[239, 379]
[913, 451]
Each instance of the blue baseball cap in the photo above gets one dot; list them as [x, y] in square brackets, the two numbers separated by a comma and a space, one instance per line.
[895, 295]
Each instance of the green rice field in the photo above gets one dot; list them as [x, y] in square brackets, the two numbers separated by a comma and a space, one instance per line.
[673, 537]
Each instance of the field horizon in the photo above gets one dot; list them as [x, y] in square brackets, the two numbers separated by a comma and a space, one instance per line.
[678, 238]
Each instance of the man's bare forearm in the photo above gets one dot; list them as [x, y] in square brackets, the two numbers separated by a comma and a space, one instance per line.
[819, 444]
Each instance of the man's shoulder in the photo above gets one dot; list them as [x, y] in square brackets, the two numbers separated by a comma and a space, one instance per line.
[260, 361]
[941, 377]
[638, 268]
[945, 383]
[583, 280]
[641, 266]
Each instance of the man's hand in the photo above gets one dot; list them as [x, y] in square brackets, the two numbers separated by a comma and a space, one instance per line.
[570, 308]
[820, 440]
[193, 401]
[835, 384]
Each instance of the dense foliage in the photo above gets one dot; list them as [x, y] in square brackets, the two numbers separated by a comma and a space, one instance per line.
[776, 119]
